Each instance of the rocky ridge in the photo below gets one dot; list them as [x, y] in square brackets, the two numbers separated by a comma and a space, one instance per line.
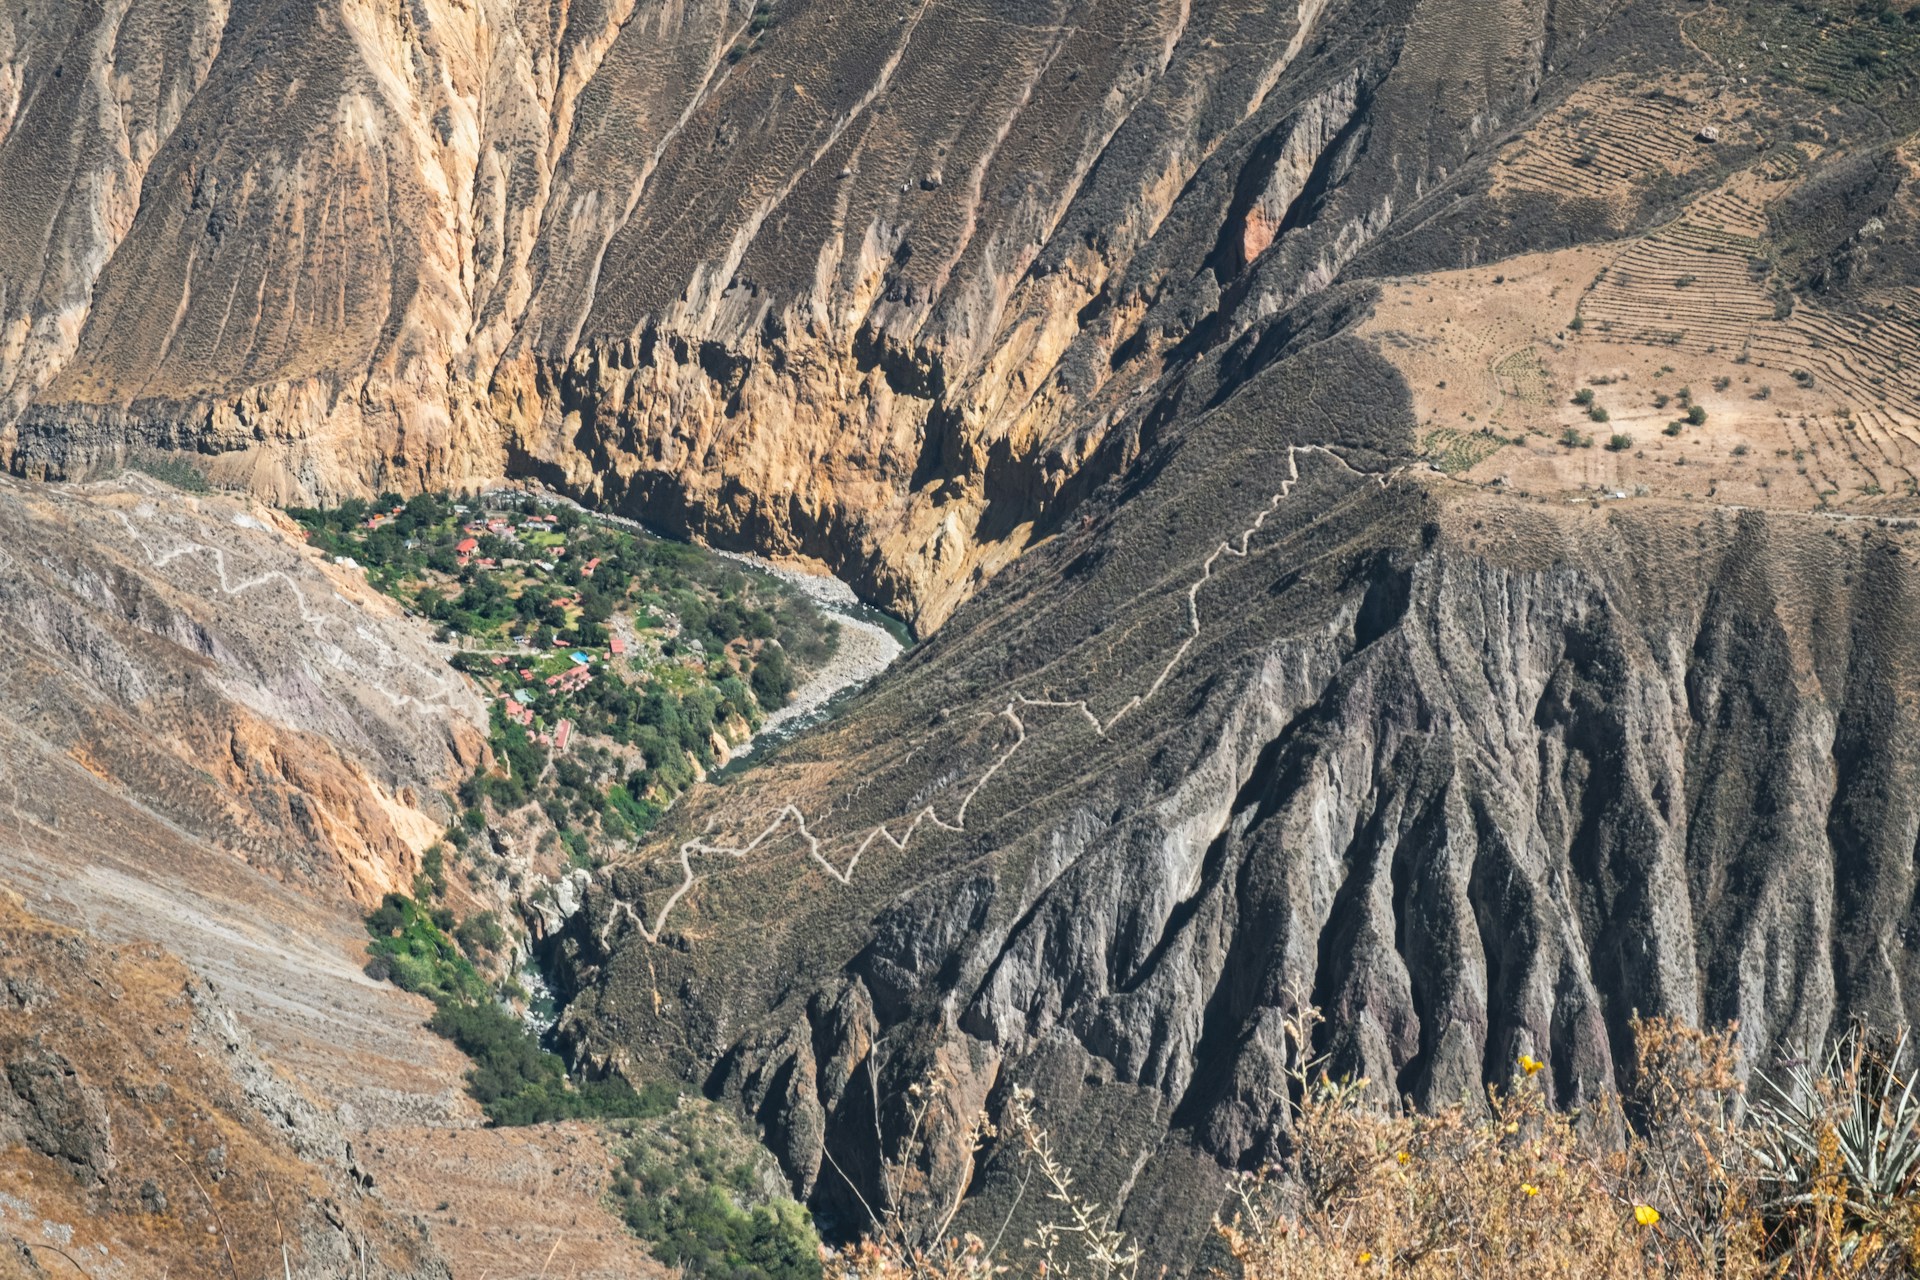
[867, 285]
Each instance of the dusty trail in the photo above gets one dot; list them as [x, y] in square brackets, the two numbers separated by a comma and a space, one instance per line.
[790, 813]
[342, 659]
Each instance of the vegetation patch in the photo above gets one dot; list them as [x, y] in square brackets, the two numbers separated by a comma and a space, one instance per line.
[618, 666]
[412, 949]
[515, 1080]
[708, 1203]
[170, 469]
[1456, 452]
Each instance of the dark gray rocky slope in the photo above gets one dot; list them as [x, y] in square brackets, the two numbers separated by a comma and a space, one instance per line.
[1477, 775]
[1275, 713]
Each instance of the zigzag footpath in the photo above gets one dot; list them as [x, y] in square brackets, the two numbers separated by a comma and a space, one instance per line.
[344, 660]
[790, 814]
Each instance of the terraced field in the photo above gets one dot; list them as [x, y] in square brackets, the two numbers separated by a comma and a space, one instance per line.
[1871, 366]
[1608, 138]
[1858, 55]
[1706, 285]
[1524, 378]
[1698, 283]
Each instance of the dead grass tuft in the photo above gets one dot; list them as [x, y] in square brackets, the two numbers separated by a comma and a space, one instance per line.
[1682, 1177]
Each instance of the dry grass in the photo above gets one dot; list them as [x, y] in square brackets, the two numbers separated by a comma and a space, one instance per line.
[1684, 1177]
[1679, 1179]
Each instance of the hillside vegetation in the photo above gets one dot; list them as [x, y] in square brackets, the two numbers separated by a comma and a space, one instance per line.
[1811, 1174]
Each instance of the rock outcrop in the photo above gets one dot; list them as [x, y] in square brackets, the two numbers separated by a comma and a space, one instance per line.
[864, 284]
[1477, 776]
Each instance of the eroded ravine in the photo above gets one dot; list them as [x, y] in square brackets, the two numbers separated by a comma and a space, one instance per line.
[791, 814]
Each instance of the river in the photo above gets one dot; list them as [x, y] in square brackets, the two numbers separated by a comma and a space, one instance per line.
[869, 639]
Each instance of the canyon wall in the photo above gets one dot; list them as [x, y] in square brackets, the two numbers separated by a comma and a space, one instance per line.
[1290, 721]
[1201, 378]
[868, 284]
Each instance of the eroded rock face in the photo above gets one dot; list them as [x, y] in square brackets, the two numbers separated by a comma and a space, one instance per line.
[865, 284]
[1478, 777]
[194, 659]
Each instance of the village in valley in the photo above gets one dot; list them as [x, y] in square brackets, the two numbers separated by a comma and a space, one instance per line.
[619, 667]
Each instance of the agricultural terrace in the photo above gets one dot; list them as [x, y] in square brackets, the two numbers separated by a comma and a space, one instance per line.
[621, 667]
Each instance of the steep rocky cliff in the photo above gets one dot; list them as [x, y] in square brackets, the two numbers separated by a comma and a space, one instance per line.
[1478, 776]
[867, 283]
[1410, 498]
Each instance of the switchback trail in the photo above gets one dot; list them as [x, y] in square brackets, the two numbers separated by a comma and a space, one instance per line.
[340, 657]
[789, 814]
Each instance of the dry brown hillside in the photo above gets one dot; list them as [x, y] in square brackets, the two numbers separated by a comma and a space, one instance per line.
[218, 749]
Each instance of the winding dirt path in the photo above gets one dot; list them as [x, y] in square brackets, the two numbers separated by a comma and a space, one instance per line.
[790, 814]
[344, 660]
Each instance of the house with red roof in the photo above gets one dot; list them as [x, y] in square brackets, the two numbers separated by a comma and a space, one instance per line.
[616, 646]
[561, 732]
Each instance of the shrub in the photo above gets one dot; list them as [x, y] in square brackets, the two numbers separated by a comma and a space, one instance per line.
[1573, 438]
[517, 1082]
[1696, 415]
[1584, 396]
[481, 933]
[432, 880]
[417, 953]
[1670, 1179]
[1673, 428]
[1619, 442]
[704, 1233]
[772, 679]
[1598, 414]
[688, 1185]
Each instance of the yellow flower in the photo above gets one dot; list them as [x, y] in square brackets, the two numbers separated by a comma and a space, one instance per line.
[1365, 1257]
[1529, 1188]
[1530, 1064]
[1402, 1156]
[1513, 1126]
[1645, 1214]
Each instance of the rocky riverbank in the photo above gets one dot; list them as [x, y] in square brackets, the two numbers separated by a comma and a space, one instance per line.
[865, 649]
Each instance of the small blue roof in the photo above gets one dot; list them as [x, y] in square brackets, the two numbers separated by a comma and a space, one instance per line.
[581, 658]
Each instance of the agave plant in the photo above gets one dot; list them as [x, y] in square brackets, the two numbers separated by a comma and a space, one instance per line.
[1845, 1128]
